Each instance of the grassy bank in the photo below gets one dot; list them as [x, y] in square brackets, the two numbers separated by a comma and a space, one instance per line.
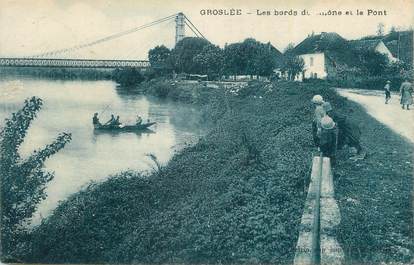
[375, 196]
[235, 197]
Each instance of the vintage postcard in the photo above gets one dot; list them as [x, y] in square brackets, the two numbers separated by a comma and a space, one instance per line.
[206, 132]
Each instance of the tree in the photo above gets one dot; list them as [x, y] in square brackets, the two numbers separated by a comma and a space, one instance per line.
[249, 57]
[380, 29]
[292, 65]
[289, 47]
[374, 63]
[23, 181]
[182, 56]
[233, 59]
[393, 29]
[128, 76]
[211, 61]
[159, 58]
[251, 49]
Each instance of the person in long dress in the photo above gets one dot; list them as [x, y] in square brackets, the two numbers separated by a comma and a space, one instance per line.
[406, 93]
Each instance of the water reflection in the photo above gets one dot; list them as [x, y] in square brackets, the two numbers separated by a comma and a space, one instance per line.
[69, 106]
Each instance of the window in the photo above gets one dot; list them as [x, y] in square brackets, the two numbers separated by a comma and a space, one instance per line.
[311, 61]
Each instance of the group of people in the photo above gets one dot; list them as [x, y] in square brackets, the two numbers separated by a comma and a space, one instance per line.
[332, 131]
[113, 122]
[406, 94]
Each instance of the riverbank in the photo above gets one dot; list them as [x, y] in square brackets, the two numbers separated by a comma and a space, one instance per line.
[236, 196]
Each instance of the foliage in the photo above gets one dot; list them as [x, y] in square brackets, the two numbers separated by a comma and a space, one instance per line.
[233, 59]
[292, 65]
[184, 52]
[250, 57]
[265, 61]
[58, 73]
[23, 181]
[198, 56]
[395, 72]
[127, 76]
[211, 61]
[372, 62]
[159, 58]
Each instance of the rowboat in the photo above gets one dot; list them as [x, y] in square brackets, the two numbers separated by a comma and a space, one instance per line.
[124, 128]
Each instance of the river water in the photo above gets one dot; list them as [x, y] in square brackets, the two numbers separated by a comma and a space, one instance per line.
[68, 106]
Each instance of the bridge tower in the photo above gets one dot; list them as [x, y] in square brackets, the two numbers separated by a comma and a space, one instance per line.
[179, 27]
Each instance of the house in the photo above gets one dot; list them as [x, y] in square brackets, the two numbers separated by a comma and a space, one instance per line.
[321, 54]
[399, 43]
[324, 53]
[375, 45]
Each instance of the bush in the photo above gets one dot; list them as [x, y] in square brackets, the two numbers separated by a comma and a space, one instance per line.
[128, 76]
[23, 181]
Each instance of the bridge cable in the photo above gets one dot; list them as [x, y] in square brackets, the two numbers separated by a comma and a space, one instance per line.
[187, 19]
[197, 35]
[108, 38]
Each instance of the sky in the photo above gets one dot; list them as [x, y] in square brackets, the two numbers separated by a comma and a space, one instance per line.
[30, 27]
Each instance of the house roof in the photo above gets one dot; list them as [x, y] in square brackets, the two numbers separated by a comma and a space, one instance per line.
[320, 43]
[341, 51]
[336, 48]
[364, 44]
[278, 55]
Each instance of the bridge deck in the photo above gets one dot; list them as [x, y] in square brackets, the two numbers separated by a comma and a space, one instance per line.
[79, 63]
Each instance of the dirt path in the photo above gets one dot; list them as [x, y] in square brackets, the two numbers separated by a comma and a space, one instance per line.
[391, 114]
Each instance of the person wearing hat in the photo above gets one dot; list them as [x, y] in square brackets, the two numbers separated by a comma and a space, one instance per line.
[328, 138]
[348, 132]
[387, 89]
[406, 92]
[317, 100]
[95, 121]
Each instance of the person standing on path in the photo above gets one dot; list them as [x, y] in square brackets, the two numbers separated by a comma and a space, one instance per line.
[387, 89]
[406, 93]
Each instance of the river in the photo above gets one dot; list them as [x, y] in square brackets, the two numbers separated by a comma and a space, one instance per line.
[68, 106]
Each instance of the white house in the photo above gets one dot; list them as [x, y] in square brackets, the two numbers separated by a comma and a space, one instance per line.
[314, 66]
[322, 53]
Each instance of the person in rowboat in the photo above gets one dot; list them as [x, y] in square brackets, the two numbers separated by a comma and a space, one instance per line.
[117, 122]
[139, 120]
[95, 121]
[111, 120]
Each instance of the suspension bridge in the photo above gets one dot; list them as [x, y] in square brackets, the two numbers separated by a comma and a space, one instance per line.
[51, 58]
